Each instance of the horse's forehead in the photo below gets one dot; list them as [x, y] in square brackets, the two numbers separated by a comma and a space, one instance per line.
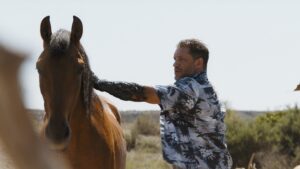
[60, 50]
[48, 60]
[59, 43]
[60, 35]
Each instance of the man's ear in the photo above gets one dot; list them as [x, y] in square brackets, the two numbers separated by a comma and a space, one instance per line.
[199, 63]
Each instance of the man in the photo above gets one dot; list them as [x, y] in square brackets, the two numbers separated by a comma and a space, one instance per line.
[192, 123]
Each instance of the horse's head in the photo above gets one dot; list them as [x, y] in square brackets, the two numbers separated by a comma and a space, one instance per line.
[64, 79]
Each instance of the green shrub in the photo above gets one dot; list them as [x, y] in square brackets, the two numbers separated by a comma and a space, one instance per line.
[240, 140]
[276, 132]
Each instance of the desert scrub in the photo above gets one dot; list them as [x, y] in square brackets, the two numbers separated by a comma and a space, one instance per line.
[147, 154]
[130, 137]
[145, 124]
[149, 144]
[240, 140]
[276, 132]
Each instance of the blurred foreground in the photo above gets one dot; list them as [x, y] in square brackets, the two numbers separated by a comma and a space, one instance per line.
[17, 134]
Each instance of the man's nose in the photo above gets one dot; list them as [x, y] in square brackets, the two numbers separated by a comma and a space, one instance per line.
[175, 64]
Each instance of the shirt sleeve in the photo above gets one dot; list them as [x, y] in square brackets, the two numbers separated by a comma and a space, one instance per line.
[181, 96]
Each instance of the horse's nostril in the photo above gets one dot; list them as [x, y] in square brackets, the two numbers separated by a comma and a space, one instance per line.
[67, 132]
[57, 132]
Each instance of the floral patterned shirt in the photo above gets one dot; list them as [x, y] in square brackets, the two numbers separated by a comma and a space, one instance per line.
[192, 125]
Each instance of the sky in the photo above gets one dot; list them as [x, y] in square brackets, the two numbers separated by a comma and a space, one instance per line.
[254, 45]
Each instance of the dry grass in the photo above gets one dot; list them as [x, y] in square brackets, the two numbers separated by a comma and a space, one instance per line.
[147, 154]
[142, 160]
[144, 145]
[271, 160]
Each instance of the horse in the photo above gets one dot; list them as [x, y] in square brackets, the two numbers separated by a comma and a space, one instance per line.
[83, 126]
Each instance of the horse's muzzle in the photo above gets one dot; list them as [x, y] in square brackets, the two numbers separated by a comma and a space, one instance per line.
[57, 134]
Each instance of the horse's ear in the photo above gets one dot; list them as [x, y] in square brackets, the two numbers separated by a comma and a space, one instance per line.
[77, 30]
[46, 29]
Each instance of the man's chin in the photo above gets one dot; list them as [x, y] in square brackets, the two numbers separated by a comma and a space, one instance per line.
[177, 77]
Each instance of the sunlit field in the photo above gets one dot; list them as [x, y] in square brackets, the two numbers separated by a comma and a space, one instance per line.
[273, 138]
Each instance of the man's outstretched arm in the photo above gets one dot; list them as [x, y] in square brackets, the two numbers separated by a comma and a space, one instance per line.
[127, 91]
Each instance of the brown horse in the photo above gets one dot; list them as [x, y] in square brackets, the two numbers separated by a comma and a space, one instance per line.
[83, 126]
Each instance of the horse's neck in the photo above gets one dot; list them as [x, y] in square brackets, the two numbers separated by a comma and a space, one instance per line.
[89, 128]
[82, 116]
[79, 110]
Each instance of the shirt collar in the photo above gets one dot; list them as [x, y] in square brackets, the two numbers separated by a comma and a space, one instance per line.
[201, 78]
[200, 74]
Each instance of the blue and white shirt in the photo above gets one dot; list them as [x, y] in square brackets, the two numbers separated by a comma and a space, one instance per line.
[192, 125]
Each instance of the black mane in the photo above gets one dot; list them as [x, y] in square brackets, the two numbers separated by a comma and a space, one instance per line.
[60, 42]
[87, 85]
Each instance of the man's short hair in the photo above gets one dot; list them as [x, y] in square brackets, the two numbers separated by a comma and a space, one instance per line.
[197, 49]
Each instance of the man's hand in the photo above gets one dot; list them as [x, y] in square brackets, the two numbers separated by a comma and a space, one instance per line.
[94, 81]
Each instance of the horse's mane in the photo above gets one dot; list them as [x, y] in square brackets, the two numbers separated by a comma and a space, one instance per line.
[87, 86]
[60, 42]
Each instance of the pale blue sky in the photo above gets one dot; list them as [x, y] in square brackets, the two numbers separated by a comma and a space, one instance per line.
[254, 45]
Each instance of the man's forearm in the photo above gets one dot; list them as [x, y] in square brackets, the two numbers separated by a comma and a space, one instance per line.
[122, 90]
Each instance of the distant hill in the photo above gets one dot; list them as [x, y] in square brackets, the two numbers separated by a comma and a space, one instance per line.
[130, 115]
[249, 114]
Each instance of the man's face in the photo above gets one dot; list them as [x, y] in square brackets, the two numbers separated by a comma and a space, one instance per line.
[184, 64]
